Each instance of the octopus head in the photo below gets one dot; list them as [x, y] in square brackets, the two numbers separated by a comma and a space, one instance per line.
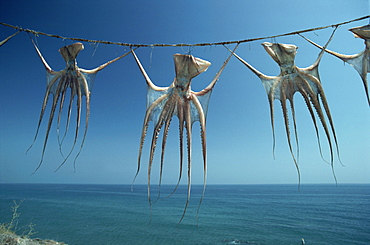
[70, 52]
[361, 32]
[187, 66]
[283, 54]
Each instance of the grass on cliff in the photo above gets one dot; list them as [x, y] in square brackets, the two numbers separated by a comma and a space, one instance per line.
[13, 228]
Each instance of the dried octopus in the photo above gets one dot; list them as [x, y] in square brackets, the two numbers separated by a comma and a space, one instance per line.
[293, 79]
[79, 81]
[177, 100]
[360, 61]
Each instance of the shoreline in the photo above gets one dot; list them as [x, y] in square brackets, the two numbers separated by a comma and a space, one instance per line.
[14, 239]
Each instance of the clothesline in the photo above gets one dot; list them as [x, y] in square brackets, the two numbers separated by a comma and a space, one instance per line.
[164, 103]
[182, 44]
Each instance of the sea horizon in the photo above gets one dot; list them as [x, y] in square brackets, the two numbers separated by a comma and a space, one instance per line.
[229, 214]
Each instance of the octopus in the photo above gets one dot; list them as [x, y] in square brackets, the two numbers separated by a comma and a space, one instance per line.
[360, 61]
[177, 100]
[79, 81]
[293, 79]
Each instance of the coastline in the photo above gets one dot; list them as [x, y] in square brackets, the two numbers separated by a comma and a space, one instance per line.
[13, 239]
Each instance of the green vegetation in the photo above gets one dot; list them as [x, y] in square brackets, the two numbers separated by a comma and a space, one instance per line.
[8, 231]
[12, 226]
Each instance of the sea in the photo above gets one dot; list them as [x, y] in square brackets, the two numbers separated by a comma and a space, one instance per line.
[228, 214]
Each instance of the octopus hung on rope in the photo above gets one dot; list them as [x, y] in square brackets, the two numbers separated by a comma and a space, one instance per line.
[80, 82]
[360, 61]
[291, 80]
[178, 99]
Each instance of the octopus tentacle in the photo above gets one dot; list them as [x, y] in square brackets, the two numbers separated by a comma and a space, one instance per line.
[323, 101]
[365, 64]
[344, 57]
[328, 114]
[291, 101]
[46, 65]
[142, 139]
[49, 90]
[202, 122]
[316, 63]
[147, 78]
[188, 127]
[156, 132]
[313, 77]
[76, 86]
[272, 121]
[254, 70]
[72, 95]
[315, 98]
[148, 114]
[7, 39]
[316, 103]
[101, 67]
[167, 120]
[51, 116]
[181, 145]
[352, 60]
[287, 130]
[62, 99]
[217, 76]
[43, 107]
[165, 115]
[180, 116]
[323, 122]
[362, 63]
[269, 80]
[86, 92]
[305, 96]
[78, 92]
[271, 89]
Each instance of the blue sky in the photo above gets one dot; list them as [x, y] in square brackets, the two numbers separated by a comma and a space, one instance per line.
[239, 137]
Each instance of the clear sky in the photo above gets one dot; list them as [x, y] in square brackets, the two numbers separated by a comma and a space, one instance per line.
[239, 137]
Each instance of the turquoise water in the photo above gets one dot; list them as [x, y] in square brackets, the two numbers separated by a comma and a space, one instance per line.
[229, 214]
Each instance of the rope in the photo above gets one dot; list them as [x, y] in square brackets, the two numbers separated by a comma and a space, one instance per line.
[181, 44]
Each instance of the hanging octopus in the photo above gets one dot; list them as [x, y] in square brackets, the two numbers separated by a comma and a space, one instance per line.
[178, 99]
[360, 61]
[292, 79]
[80, 82]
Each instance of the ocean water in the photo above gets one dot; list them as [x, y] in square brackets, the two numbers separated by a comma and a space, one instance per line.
[229, 214]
